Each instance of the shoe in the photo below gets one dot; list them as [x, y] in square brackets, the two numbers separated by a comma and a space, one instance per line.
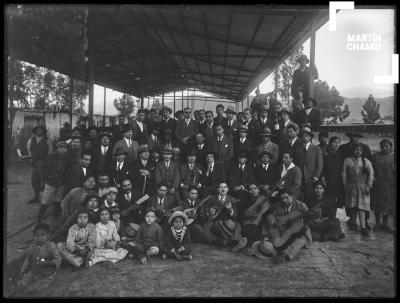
[365, 232]
[177, 256]
[164, 256]
[143, 260]
[367, 226]
[33, 201]
[341, 236]
[187, 257]
[280, 258]
[242, 244]
[88, 263]
[353, 226]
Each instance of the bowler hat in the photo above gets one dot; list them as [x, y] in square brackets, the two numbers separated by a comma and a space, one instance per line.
[230, 109]
[263, 249]
[39, 126]
[141, 111]
[356, 135]
[61, 143]
[311, 99]
[266, 132]
[143, 148]
[120, 151]
[127, 127]
[167, 149]
[306, 130]
[166, 108]
[302, 57]
[177, 214]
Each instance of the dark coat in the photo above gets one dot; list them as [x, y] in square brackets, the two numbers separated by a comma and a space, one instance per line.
[172, 124]
[247, 146]
[170, 176]
[141, 136]
[172, 243]
[332, 174]
[310, 162]
[117, 132]
[136, 215]
[292, 179]
[54, 170]
[208, 131]
[188, 177]
[184, 131]
[100, 161]
[132, 153]
[201, 153]
[168, 203]
[238, 177]
[252, 129]
[285, 147]
[314, 118]
[116, 177]
[217, 175]
[138, 180]
[151, 143]
[300, 78]
[231, 130]
[224, 150]
[74, 176]
[266, 177]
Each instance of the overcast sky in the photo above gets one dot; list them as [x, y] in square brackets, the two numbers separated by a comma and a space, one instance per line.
[338, 66]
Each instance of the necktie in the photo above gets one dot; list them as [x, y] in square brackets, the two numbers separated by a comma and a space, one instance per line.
[119, 166]
[241, 140]
[191, 166]
[160, 201]
[167, 164]
[241, 166]
[128, 197]
[230, 123]
[209, 171]
[130, 143]
[265, 167]
[291, 142]
[287, 209]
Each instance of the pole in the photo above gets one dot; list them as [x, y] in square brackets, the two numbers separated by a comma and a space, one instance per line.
[104, 107]
[148, 102]
[142, 100]
[182, 100]
[174, 103]
[312, 59]
[71, 99]
[91, 70]
[193, 98]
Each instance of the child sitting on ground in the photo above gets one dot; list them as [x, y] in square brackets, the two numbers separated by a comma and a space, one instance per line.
[177, 240]
[42, 261]
[149, 238]
[107, 241]
[124, 233]
[81, 241]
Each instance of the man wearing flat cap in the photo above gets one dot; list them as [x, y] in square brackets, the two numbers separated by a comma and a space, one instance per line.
[301, 76]
[127, 144]
[39, 146]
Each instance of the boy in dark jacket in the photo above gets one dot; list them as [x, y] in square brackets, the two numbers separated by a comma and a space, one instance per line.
[178, 241]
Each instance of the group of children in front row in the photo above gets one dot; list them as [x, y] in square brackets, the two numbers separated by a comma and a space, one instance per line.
[90, 244]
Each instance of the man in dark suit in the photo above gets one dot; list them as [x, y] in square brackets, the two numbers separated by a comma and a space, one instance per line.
[143, 170]
[222, 145]
[243, 144]
[200, 148]
[164, 204]
[186, 127]
[301, 76]
[265, 120]
[190, 172]
[167, 171]
[77, 173]
[251, 124]
[154, 139]
[118, 130]
[167, 121]
[289, 175]
[309, 159]
[140, 128]
[310, 115]
[265, 173]
[202, 118]
[293, 141]
[120, 169]
[213, 173]
[220, 119]
[232, 125]
[102, 155]
[127, 144]
[208, 127]
[167, 139]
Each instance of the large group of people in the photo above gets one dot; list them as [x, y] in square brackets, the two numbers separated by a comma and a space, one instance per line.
[256, 184]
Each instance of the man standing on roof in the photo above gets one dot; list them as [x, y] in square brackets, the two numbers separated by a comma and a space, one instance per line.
[301, 76]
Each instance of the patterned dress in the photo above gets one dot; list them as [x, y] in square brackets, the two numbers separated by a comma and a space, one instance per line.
[357, 182]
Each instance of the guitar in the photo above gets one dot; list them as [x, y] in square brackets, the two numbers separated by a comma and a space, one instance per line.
[138, 202]
[192, 211]
[292, 216]
[219, 209]
[256, 211]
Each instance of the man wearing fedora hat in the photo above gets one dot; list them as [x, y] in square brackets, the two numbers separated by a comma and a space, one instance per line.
[308, 157]
[232, 124]
[301, 76]
[310, 115]
[127, 144]
[143, 171]
[154, 139]
[243, 144]
[240, 176]
[39, 146]
[267, 145]
[119, 169]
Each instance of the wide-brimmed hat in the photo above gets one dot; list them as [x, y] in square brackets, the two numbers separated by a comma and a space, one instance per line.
[177, 214]
[141, 111]
[120, 151]
[230, 109]
[243, 129]
[306, 130]
[266, 132]
[263, 249]
[166, 108]
[302, 57]
[106, 134]
[143, 148]
[356, 135]
[311, 99]
[167, 149]
[61, 143]
[127, 127]
[111, 190]
[39, 126]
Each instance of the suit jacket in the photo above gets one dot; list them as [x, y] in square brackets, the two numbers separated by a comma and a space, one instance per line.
[214, 202]
[310, 162]
[263, 176]
[238, 177]
[224, 150]
[171, 175]
[117, 132]
[191, 177]
[269, 123]
[183, 130]
[135, 215]
[247, 146]
[300, 78]
[314, 118]
[138, 180]
[285, 147]
[172, 124]
[231, 130]
[151, 143]
[100, 161]
[271, 148]
[117, 176]
[200, 153]
[74, 176]
[221, 120]
[168, 203]
[292, 179]
[132, 152]
[217, 175]
[207, 131]
[252, 128]
[141, 136]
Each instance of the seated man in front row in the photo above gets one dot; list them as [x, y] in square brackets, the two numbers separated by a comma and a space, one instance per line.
[286, 230]
[222, 221]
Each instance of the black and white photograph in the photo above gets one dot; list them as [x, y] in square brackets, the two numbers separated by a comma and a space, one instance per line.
[199, 150]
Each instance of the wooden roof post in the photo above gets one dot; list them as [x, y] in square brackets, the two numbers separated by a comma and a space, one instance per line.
[142, 100]
[104, 107]
[182, 100]
[174, 103]
[91, 68]
[312, 57]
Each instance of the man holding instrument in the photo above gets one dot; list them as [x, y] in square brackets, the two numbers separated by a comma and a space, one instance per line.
[190, 173]
[286, 230]
[143, 171]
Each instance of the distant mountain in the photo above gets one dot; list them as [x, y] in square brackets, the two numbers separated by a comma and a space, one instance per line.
[356, 92]
[355, 107]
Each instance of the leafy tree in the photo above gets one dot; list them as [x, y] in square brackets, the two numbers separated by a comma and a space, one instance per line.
[125, 105]
[370, 111]
[330, 102]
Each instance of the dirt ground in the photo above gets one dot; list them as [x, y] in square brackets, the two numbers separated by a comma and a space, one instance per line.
[353, 268]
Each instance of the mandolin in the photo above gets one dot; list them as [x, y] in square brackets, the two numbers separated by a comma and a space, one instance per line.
[192, 211]
[219, 209]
